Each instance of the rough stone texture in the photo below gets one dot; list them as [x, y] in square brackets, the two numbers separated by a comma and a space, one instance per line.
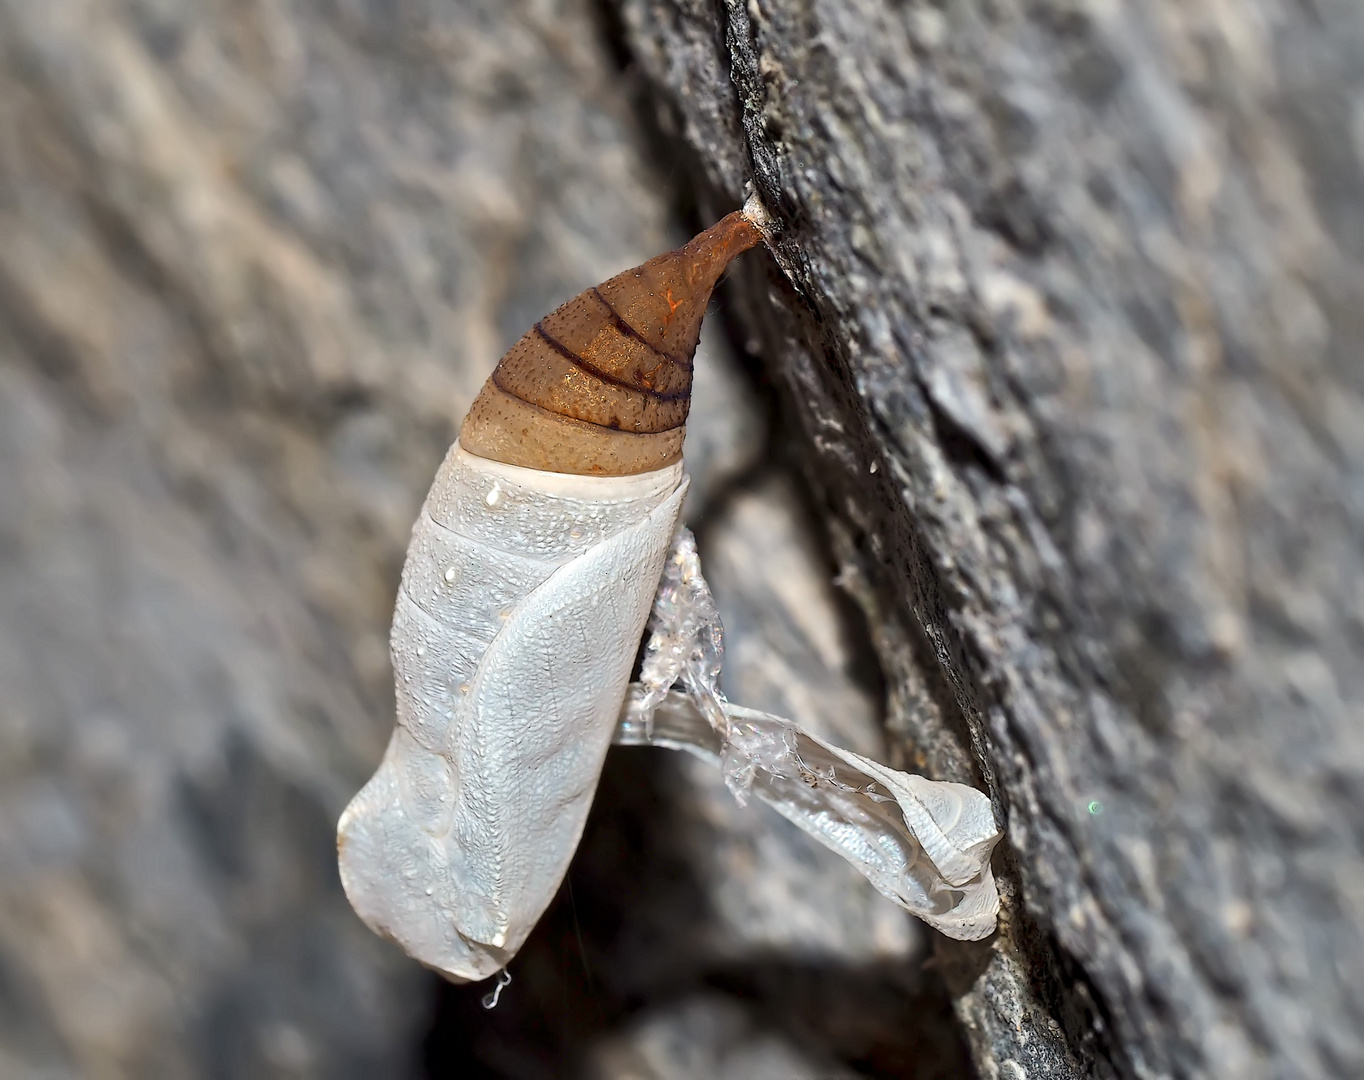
[1065, 322]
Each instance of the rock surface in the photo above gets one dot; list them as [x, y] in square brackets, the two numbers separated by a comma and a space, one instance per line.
[1065, 325]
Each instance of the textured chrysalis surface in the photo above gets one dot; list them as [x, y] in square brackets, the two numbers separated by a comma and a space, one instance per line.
[602, 385]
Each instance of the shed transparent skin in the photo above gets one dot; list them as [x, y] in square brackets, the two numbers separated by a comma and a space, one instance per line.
[922, 843]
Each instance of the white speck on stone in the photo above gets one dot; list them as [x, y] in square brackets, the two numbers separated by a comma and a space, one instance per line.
[757, 215]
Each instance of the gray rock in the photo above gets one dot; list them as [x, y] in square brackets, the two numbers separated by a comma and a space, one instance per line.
[1064, 318]
[255, 265]
[726, 428]
[1063, 336]
[771, 889]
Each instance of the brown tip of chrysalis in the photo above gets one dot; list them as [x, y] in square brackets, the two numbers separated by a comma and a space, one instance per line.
[602, 385]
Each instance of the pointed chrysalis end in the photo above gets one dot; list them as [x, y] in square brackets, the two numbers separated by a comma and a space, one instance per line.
[602, 385]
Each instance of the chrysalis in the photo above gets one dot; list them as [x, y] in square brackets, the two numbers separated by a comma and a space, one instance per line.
[531, 573]
[532, 570]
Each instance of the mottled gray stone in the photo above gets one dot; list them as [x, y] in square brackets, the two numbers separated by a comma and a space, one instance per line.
[1065, 323]
[254, 263]
[726, 429]
[1064, 334]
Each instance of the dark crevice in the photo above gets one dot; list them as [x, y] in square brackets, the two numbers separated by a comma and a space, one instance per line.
[960, 444]
[673, 163]
[925, 605]
[625, 938]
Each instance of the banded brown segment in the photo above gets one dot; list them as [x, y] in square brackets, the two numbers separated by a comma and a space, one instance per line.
[505, 428]
[588, 327]
[615, 383]
[603, 383]
[642, 383]
[629, 331]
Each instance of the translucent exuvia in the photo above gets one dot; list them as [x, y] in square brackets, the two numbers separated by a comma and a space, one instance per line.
[924, 844]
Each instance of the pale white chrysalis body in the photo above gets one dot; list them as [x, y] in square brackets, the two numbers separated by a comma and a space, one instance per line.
[523, 601]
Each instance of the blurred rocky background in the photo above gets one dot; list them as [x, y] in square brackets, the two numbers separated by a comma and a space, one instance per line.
[1034, 458]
